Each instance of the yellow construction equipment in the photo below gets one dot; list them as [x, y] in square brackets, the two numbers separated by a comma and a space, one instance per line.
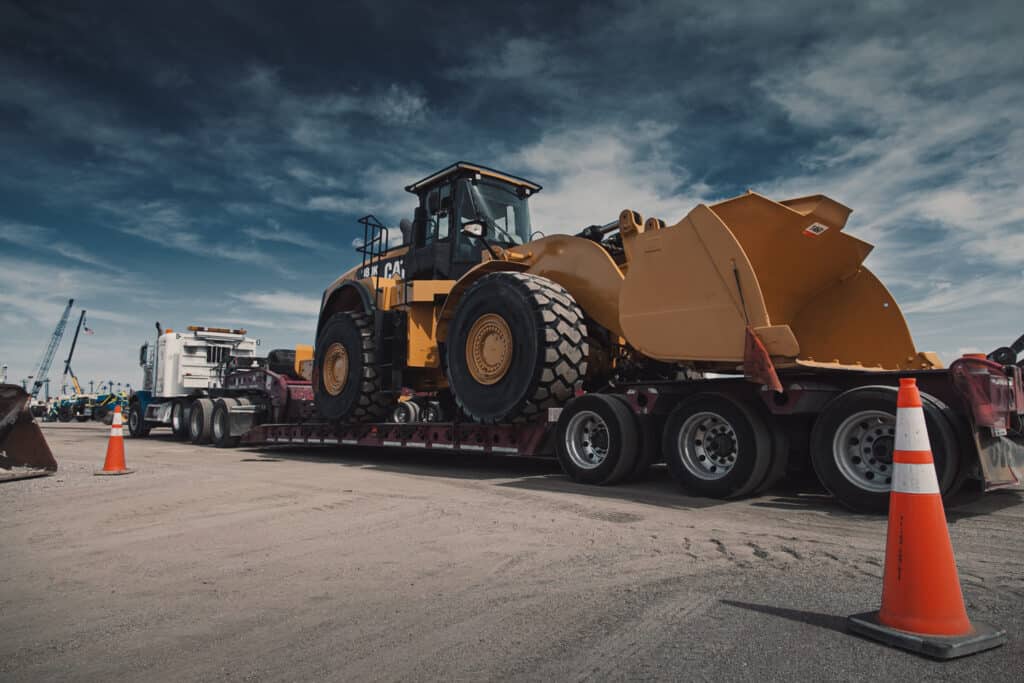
[23, 450]
[476, 305]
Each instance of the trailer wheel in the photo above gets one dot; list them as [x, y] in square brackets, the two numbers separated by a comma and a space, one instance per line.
[852, 444]
[516, 346]
[137, 428]
[597, 439]
[220, 425]
[346, 380]
[200, 421]
[179, 419]
[716, 447]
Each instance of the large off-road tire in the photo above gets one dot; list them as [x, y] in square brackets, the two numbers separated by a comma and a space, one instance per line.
[716, 447]
[516, 346]
[200, 421]
[597, 438]
[65, 413]
[346, 382]
[852, 444]
[137, 427]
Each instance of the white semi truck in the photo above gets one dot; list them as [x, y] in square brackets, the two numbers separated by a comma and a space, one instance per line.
[181, 367]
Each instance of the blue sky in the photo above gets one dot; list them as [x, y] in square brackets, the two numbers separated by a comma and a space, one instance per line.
[206, 164]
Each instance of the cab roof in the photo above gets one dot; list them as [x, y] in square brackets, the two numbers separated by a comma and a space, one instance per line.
[465, 166]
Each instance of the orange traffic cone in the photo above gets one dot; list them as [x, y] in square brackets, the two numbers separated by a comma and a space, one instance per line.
[114, 464]
[922, 605]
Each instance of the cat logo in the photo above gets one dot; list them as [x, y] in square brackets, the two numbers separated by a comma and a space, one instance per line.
[392, 268]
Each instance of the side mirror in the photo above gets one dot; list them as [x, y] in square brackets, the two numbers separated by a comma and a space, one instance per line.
[473, 229]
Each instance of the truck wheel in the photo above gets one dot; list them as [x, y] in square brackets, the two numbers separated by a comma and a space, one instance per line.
[81, 418]
[716, 447]
[200, 421]
[596, 439]
[852, 445]
[64, 414]
[137, 428]
[220, 426]
[179, 419]
[406, 412]
[516, 346]
[346, 382]
[100, 413]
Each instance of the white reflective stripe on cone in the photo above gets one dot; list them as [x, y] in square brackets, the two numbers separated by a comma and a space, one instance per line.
[117, 420]
[911, 432]
[916, 478]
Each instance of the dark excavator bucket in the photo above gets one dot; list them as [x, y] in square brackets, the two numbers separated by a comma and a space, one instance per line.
[23, 450]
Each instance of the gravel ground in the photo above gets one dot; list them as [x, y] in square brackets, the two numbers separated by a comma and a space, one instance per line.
[286, 564]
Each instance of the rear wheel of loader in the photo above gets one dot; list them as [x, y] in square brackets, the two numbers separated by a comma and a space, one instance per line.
[716, 447]
[64, 413]
[516, 346]
[200, 421]
[853, 440]
[179, 419]
[137, 427]
[597, 439]
[220, 424]
[347, 384]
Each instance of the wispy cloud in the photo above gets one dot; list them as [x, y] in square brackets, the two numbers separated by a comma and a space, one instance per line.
[39, 238]
[281, 302]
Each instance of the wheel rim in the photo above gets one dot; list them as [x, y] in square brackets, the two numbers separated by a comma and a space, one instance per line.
[133, 420]
[176, 417]
[335, 370]
[489, 349]
[587, 440]
[862, 448]
[708, 446]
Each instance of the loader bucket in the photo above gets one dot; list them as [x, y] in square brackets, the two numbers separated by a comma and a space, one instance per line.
[24, 452]
[786, 269]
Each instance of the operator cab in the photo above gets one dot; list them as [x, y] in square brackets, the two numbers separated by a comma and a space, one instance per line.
[464, 193]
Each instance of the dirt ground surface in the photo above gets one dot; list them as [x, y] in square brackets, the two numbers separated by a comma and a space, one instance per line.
[286, 564]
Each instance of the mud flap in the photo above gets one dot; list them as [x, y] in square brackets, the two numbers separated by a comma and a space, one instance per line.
[24, 452]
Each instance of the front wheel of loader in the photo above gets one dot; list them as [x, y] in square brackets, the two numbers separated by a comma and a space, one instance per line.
[716, 447]
[346, 382]
[516, 346]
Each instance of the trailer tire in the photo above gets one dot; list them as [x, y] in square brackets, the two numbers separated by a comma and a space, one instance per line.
[179, 419]
[347, 344]
[200, 421]
[859, 471]
[220, 424]
[137, 428]
[516, 346]
[596, 439]
[732, 465]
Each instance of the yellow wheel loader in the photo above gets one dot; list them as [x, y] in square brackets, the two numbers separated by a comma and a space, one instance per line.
[720, 343]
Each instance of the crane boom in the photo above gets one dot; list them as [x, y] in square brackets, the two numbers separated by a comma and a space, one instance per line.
[67, 363]
[44, 364]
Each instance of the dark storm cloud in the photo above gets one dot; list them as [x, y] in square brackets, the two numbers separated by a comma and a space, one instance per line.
[219, 144]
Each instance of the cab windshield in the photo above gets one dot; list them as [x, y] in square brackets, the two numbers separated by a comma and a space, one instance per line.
[499, 207]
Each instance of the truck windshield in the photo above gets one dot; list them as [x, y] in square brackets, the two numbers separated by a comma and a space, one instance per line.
[500, 208]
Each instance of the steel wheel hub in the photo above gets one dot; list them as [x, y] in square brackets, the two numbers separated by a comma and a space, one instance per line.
[863, 447]
[489, 349]
[335, 372]
[708, 446]
[587, 440]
